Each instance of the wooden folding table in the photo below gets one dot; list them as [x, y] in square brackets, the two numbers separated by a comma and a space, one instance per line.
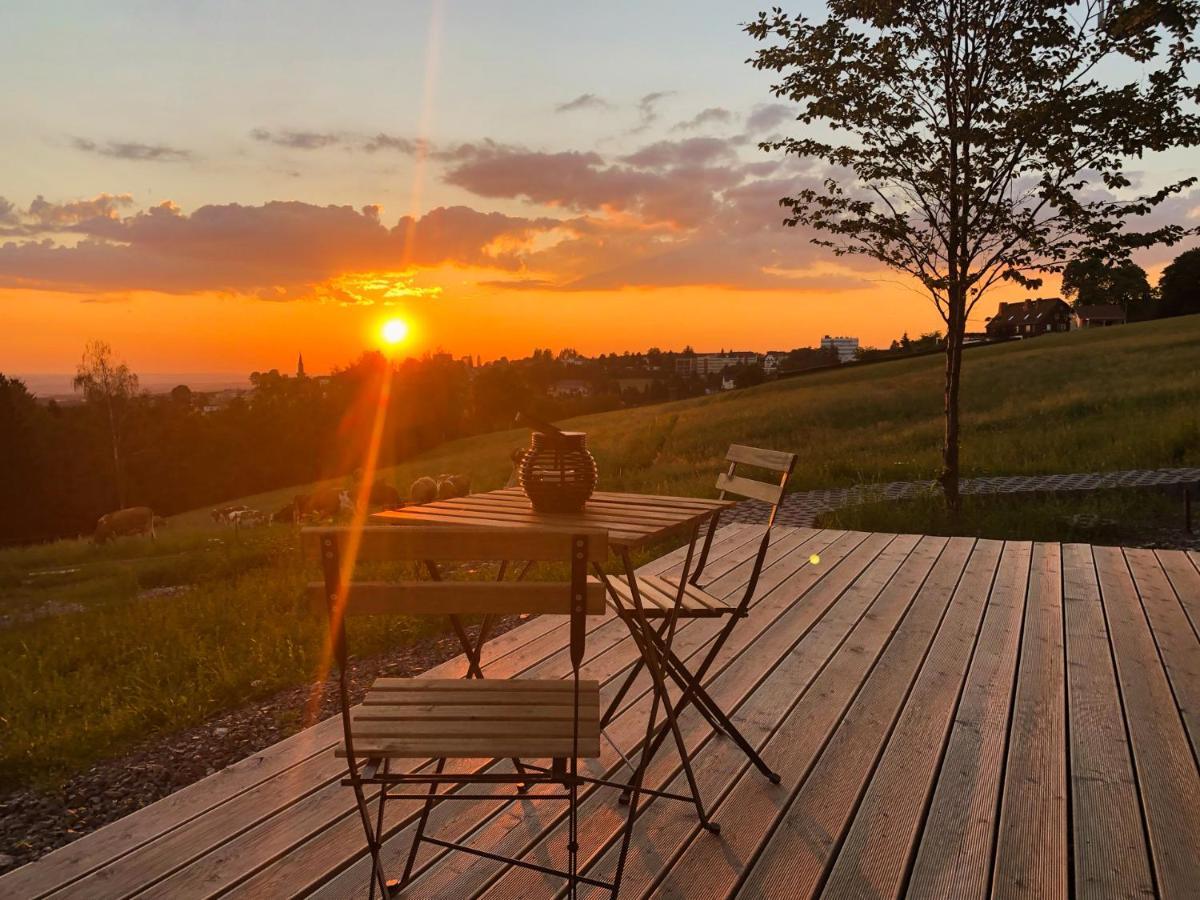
[632, 521]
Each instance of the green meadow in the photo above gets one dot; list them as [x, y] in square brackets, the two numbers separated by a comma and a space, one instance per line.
[102, 647]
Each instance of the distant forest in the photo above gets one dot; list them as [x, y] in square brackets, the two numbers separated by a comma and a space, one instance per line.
[182, 450]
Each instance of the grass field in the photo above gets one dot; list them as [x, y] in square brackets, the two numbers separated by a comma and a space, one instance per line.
[96, 655]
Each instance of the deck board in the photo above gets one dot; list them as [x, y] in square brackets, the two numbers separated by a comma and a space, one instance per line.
[1031, 847]
[951, 718]
[1168, 781]
[1111, 856]
[954, 852]
[878, 847]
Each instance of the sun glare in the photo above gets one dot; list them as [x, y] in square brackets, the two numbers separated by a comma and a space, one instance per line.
[394, 331]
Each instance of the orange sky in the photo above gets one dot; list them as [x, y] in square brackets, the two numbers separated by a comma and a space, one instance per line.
[211, 333]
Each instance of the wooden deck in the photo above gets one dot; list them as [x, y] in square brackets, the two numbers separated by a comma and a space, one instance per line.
[952, 718]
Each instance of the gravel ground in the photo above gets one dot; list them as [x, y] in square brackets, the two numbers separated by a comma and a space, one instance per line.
[32, 823]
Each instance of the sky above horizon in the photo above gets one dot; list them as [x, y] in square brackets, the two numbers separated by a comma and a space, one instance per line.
[215, 186]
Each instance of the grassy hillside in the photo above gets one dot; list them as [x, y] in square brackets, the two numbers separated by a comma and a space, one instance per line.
[96, 652]
[1091, 400]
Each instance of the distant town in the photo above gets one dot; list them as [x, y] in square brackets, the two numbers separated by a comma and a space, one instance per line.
[635, 378]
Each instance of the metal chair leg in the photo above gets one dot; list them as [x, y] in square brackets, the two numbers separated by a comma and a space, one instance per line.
[421, 822]
[374, 846]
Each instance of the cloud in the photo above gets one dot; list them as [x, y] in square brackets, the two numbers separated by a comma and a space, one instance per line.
[669, 182]
[647, 108]
[767, 116]
[133, 150]
[679, 212]
[583, 101]
[522, 284]
[277, 250]
[56, 216]
[296, 140]
[698, 151]
[407, 146]
[705, 117]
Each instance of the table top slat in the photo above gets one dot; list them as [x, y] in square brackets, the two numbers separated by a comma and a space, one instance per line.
[631, 520]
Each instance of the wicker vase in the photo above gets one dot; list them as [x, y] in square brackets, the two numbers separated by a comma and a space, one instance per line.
[558, 474]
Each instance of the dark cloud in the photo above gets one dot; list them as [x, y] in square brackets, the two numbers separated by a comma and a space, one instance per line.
[670, 181]
[575, 179]
[698, 151]
[583, 101]
[296, 140]
[714, 114]
[767, 116]
[406, 146]
[133, 150]
[8, 212]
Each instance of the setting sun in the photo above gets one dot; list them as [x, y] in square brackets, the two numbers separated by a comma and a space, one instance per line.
[394, 331]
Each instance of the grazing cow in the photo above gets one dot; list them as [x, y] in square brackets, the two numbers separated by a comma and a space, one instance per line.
[129, 521]
[324, 503]
[383, 494]
[423, 490]
[249, 518]
[224, 515]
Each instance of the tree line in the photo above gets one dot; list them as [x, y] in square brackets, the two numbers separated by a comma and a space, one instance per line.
[1092, 279]
[62, 465]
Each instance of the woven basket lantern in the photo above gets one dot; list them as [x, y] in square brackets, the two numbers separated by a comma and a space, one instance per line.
[558, 474]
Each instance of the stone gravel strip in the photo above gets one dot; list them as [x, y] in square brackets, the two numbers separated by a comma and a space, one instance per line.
[802, 508]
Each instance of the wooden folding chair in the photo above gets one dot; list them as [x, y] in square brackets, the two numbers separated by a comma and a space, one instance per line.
[665, 600]
[439, 719]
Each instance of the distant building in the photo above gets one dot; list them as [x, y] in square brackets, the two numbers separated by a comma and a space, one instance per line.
[846, 347]
[1029, 318]
[772, 360]
[710, 363]
[300, 365]
[1099, 316]
[570, 387]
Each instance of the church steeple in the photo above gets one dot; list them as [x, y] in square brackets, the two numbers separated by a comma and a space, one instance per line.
[300, 365]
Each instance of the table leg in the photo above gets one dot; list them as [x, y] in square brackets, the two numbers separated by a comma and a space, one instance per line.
[708, 539]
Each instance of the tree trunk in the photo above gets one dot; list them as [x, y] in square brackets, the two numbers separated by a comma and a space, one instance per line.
[116, 452]
[956, 326]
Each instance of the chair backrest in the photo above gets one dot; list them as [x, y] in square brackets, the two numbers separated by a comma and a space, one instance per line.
[772, 460]
[341, 549]
[431, 544]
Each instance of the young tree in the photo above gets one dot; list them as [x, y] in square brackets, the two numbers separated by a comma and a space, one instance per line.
[1090, 280]
[1179, 286]
[971, 142]
[109, 387]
